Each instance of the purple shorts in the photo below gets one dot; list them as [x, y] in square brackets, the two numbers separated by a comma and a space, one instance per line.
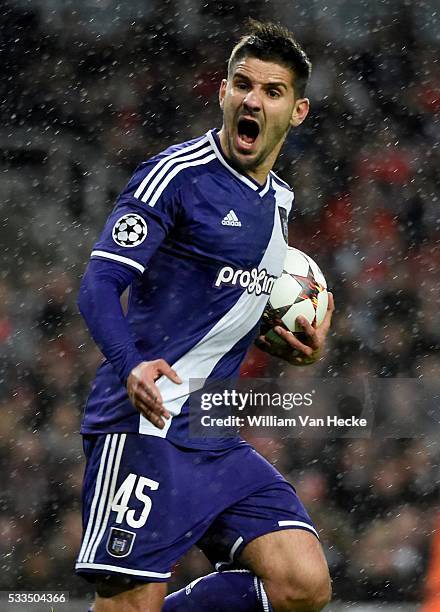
[147, 501]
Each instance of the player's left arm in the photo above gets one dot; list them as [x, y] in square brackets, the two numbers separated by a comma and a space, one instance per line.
[304, 350]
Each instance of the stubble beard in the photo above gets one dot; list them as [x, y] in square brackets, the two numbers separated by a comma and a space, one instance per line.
[243, 162]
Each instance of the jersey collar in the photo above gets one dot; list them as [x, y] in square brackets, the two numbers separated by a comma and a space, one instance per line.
[213, 138]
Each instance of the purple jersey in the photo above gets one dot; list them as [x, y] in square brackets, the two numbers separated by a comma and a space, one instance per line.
[207, 244]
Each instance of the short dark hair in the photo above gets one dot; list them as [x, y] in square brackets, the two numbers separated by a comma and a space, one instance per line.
[273, 42]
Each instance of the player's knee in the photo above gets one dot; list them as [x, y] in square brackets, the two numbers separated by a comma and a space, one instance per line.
[310, 592]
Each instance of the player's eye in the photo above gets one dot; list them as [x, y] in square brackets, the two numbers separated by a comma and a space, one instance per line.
[274, 93]
[241, 85]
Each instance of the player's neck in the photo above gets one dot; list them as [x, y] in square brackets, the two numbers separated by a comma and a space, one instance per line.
[260, 173]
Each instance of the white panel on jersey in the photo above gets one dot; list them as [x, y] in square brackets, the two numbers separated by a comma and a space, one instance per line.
[284, 197]
[199, 362]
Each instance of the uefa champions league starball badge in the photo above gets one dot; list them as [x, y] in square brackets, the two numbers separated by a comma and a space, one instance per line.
[130, 230]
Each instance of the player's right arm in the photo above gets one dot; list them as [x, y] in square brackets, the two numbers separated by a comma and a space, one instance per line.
[117, 258]
[100, 305]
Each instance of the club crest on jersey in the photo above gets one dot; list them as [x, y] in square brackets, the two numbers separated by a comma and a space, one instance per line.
[254, 281]
[120, 542]
[130, 230]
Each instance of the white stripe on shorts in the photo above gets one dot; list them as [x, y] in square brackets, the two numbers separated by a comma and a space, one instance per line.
[232, 552]
[110, 497]
[103, 497]
[264, 598]
[298, 524]
[122, 570]
[96, 497]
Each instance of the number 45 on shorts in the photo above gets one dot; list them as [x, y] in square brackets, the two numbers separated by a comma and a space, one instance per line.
[122, 497]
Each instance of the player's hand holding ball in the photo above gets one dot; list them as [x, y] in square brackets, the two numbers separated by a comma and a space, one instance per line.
[144, 393]
[298, 314]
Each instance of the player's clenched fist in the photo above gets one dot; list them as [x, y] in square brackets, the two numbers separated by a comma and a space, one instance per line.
[144, 393]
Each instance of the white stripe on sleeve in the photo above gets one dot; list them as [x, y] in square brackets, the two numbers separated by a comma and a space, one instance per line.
[120, 258]
[172, 174]
[167, 167]
[163, 161]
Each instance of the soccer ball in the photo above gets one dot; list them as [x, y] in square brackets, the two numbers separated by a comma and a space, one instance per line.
[300, 290]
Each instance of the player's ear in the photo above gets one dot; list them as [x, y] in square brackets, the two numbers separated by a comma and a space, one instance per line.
[222, 92]
[300, 111]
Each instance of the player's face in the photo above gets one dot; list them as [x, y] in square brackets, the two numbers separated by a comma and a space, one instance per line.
[259, 107]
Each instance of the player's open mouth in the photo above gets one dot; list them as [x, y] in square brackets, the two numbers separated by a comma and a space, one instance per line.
[247, 133]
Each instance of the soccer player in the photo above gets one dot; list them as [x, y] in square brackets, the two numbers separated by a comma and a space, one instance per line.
[197, 234]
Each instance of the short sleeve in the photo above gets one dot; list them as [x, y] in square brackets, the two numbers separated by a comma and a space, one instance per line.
[144, 213]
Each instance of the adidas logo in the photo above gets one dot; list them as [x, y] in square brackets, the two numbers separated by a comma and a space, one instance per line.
[231, 219]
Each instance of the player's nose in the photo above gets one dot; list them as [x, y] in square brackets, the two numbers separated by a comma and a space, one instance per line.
[252, 100]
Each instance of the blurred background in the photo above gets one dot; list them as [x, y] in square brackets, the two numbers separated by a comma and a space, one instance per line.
[88, 90]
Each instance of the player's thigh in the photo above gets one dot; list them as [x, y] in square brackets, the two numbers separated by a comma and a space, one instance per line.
[143, 597]
[292, 566]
